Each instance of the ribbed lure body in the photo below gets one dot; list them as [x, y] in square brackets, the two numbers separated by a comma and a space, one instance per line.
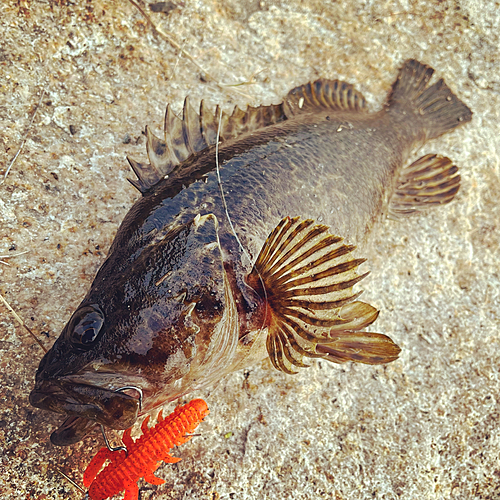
[143, 455]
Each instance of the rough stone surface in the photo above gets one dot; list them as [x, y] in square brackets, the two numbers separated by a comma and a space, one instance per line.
[425, 426]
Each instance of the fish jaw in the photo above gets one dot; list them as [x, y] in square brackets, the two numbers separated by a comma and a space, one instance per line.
[85, 395]
[85, 405]
[72, 430]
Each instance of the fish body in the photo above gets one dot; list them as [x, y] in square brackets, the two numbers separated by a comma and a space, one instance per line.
[184, 297]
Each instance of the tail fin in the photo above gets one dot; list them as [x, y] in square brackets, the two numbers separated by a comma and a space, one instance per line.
[437, 108]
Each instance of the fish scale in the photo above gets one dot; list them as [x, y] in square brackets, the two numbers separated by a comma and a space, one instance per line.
[177, 304]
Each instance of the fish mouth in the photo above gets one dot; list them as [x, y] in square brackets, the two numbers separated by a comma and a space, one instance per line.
[72, 430]
[85, 405]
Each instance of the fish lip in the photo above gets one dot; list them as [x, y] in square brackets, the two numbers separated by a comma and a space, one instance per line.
[110, 408]
[46, 395]
[72, 430]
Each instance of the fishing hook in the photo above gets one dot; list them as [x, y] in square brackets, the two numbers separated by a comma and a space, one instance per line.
[124, 448]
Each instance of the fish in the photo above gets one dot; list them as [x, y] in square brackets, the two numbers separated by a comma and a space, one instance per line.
[247, 244]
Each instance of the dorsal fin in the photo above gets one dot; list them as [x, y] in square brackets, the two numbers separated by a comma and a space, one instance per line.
[174, 137]
[323, 94]
[311, 308]
[243, 121]
[194, 133]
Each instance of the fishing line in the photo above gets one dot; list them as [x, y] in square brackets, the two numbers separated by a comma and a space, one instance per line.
[22, 323]
[70, 481]
[26, 132]
[222, 190]
[247, 255]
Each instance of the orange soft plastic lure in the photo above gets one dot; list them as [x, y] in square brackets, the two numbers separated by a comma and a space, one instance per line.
[142, 456]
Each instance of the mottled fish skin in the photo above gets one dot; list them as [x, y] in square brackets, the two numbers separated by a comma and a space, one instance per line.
[170, 308]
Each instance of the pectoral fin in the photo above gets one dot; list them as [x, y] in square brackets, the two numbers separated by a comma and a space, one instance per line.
[306, 276]
[361, 347]
[430, 181]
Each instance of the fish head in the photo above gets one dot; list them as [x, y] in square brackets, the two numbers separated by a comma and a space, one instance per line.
[154, 326]
[66, 382]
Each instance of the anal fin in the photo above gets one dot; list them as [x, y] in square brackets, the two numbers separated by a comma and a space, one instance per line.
[306, 277]
[430, 181]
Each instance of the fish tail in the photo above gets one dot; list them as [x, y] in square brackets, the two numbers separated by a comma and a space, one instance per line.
[434, 107]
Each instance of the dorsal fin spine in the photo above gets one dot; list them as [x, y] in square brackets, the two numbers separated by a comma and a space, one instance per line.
[157, 152]
[208, 123]
[141, 170]
[187, 126]
[191, 128]
[168, 143]
[175, 134]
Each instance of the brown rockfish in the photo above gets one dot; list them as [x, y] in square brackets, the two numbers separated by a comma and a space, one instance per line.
[243, 247]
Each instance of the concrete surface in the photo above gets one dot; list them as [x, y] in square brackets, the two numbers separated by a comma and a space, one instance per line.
[423, 427]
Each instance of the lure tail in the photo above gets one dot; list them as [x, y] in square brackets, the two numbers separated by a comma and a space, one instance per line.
[435, 107]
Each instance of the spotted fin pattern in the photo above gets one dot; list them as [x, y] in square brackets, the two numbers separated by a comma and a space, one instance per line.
[308, 276]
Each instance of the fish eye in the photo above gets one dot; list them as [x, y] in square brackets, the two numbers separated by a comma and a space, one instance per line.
[85, 326]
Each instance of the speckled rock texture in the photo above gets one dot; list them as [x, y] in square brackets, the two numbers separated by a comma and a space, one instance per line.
[425, 426]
